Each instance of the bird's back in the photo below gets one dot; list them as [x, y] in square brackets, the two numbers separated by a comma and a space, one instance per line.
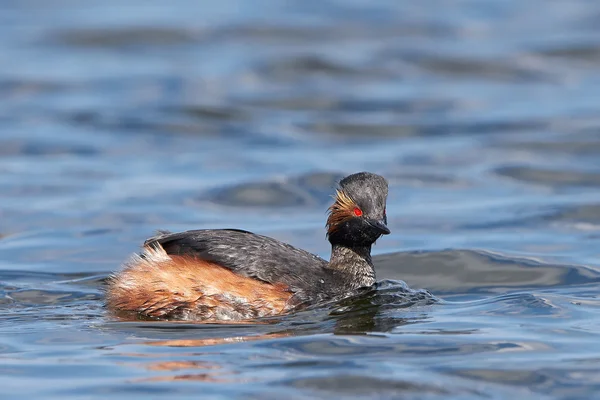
[254, 256]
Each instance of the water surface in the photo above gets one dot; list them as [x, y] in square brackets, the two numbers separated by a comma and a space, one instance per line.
[121, 118]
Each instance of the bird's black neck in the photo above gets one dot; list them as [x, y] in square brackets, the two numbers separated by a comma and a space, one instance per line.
[354, 262]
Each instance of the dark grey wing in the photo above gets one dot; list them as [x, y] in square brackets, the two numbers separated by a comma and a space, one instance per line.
[249, 254]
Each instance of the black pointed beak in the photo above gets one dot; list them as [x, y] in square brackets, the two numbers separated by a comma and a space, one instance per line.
[379, 226]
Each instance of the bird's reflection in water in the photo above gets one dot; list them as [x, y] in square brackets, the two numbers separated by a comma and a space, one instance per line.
[211, 371]
[216, 341]
[216, 373]
[371, 311]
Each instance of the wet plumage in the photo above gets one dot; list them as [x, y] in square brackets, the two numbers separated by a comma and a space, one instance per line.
[229, 274]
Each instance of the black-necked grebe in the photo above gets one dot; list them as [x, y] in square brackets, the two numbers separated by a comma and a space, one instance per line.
[231, 275]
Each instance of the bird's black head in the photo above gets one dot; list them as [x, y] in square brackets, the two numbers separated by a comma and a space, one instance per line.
[358, 218]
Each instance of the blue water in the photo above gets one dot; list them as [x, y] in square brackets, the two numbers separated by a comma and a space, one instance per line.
[121, 118]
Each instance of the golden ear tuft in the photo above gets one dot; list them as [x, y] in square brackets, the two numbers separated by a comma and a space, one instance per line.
[340, 211]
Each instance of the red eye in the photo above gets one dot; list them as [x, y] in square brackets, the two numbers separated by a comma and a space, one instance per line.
[357, 211]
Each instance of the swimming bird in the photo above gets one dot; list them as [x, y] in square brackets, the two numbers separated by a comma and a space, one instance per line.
[213, 275]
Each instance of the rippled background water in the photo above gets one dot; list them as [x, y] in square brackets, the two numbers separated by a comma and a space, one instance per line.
[120, 118]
